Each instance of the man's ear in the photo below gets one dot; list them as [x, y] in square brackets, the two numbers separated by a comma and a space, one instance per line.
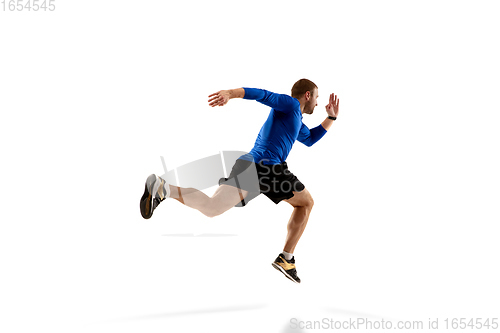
[308, 95]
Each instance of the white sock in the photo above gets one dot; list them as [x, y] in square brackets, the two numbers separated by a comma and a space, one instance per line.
[165, 193]
[287, 255]
[167, 190]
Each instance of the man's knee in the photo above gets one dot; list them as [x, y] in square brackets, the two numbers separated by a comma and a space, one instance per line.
[211, 214]
[302, 199]
[213, 208]
[212, 211]
[310, 202]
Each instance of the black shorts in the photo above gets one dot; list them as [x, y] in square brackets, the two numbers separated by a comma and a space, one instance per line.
[274, 181]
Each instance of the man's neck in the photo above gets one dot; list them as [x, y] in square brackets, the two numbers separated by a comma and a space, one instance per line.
[302, 105]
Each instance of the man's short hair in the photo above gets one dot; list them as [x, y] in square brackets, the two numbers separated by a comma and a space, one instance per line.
[302, 86]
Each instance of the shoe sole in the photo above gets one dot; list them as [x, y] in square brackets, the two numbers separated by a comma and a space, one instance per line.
[279, 268]
[147, 198]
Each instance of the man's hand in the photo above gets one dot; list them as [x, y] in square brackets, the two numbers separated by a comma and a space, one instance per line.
[219, 98]
[333, 106]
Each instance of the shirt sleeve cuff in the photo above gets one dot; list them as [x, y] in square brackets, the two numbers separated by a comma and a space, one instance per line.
[322, 129]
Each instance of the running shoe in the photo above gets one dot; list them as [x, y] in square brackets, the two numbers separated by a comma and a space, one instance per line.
[286, 267]
[154, 193]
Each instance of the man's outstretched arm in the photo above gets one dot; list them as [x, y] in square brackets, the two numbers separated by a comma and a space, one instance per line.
[221, 98]
[279, 102]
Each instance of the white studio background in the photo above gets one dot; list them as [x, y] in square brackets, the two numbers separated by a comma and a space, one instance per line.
[405, 223]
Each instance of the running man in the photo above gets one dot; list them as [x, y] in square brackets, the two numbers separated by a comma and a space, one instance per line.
[267, 161]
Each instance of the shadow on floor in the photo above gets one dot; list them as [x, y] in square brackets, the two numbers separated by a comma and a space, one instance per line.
[164, 315]
[350, 313]
[200, 235]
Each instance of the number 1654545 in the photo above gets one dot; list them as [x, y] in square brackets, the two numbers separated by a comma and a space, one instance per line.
[28, 5]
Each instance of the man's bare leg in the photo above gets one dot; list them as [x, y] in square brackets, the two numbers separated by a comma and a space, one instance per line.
[224, 198]
[302, 203]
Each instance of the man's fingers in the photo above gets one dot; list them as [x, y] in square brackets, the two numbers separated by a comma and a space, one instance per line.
[215, 99]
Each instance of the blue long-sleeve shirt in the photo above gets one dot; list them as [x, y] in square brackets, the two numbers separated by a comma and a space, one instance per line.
[283, 126]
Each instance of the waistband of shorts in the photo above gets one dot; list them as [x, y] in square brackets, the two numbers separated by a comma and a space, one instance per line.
[261, 163]
[282, 166]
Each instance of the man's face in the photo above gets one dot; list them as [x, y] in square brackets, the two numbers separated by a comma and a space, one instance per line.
[312, 102]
